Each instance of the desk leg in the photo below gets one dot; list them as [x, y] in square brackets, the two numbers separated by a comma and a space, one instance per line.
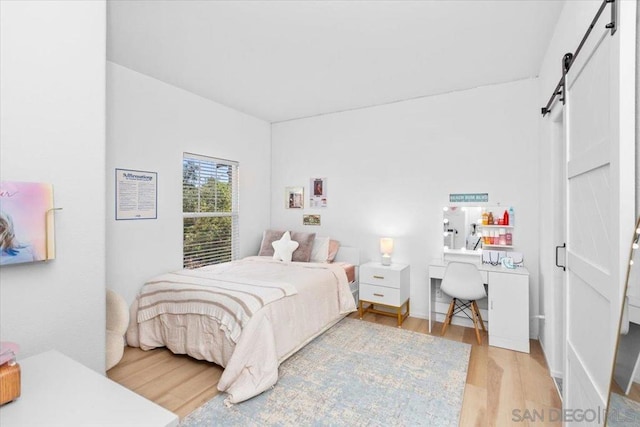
[432, 299]
[360, 310]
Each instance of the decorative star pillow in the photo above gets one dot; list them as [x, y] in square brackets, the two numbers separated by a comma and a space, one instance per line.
[283, 248]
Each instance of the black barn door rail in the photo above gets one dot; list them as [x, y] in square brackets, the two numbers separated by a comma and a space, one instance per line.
[569, 58]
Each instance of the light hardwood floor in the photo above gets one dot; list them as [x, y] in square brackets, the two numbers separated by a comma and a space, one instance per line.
[498, 381]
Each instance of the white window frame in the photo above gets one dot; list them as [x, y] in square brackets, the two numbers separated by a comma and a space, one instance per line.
[213, 255]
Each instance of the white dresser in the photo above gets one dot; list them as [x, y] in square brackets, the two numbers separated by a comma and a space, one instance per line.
[387, 286]
[508, 303]
[58, 391]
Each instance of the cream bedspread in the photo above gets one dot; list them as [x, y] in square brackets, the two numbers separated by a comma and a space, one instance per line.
[273, 332]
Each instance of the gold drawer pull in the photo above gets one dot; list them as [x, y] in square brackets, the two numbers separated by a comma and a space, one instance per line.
[378, 295]
[378, 277]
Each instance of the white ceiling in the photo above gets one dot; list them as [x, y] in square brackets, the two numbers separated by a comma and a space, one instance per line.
[280, 60]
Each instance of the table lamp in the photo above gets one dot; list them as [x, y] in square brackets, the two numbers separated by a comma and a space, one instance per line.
[386, 248]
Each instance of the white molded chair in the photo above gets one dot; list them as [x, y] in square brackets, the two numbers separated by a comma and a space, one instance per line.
[462, 281]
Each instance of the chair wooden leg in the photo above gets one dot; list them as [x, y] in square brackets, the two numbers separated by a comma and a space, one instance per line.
[480, 317]
[474, 316]
[447, 319]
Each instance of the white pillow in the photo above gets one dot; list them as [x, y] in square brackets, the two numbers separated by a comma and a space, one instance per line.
[283, 248]
[320, 250]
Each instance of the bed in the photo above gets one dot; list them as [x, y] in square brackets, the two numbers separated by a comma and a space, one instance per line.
[247, 316]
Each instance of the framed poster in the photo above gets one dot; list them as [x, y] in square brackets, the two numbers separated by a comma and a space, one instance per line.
[294, 197]
[26, 222]
[311, 220]
[318, 197]
[136, 194]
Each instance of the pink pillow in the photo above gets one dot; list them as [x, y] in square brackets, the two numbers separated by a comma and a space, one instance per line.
[305, 240]
[334, 245]
[268, 237]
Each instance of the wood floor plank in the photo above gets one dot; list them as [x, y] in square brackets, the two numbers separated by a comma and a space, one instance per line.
[498, 381]
[474, 406]
[191, 405]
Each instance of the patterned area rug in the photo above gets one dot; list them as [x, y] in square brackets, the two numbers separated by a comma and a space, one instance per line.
[623, 412]
[357, 373]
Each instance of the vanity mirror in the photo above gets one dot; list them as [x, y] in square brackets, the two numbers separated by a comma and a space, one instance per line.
[624, 399]
[462, 232]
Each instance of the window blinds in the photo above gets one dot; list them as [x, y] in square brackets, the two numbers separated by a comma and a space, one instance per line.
[210, 210]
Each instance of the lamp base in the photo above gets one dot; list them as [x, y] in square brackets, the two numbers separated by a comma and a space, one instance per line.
[386, 259]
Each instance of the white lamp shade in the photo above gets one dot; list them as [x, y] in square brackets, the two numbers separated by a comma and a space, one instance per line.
[386, 245]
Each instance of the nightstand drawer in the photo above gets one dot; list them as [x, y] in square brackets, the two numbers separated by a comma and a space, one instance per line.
[380, 294]
[380, 276]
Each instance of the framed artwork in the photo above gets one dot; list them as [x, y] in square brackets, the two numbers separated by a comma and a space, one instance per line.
[136, 194]
[26, 222]
[294, 197]
[318, 196]
[310, 219]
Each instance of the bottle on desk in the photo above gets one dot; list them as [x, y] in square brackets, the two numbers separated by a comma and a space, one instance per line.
[502, 239]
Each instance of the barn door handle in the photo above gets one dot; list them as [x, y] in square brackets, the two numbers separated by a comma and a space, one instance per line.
[563, 267]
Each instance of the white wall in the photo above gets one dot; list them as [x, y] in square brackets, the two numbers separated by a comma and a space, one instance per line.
[52, 77]
[391, 168]
[149, 126]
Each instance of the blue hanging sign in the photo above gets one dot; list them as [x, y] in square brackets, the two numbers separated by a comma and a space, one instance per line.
[469, 198]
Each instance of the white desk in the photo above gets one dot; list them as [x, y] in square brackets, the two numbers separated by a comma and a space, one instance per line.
[508, 295]
[58, 391]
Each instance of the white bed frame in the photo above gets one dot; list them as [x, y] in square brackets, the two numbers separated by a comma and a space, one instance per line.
[352, 256]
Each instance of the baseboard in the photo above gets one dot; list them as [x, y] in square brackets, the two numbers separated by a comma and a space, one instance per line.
[552, 372]
[419, 315]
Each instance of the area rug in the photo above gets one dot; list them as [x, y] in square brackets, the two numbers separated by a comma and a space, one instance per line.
[357, 373]
[623, 412]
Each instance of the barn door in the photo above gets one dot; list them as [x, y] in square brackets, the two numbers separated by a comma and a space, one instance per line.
[600, 194]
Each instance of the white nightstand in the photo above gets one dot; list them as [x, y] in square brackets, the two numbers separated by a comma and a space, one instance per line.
[384, 285]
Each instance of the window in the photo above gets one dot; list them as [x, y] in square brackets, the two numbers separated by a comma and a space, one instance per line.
[209, 210]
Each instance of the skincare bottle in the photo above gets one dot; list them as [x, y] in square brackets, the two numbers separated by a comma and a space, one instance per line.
[512, 216]
[509, 238]
[505, 218]
[490, 218]
[503, 238]
[485, 218]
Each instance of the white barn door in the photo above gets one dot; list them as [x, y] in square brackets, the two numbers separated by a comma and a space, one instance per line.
[600, 194]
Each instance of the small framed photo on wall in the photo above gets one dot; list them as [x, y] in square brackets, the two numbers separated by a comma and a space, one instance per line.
[318, 196]
[310, 219]
[294, 197]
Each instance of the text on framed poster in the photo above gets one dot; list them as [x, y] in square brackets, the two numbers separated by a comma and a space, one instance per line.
[136, 194]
